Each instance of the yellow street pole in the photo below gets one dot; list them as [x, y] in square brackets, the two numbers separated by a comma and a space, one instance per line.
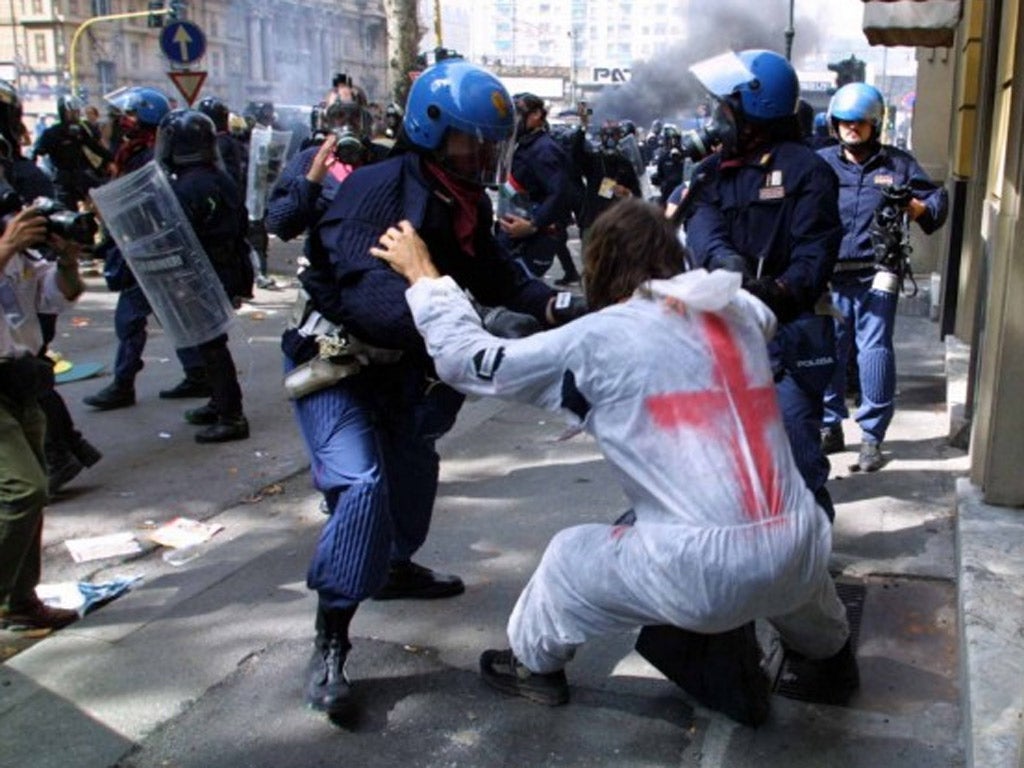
[437, 23]
[88, 23]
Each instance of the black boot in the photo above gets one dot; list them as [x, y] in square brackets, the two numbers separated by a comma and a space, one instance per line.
[87, 453]
[114, 395]
[227, 428]
[61, 468]
[410, 580]
[824, 681]
[195, 384]
[327, 686]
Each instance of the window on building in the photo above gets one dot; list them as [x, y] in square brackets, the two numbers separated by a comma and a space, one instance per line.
[215, 59]
[37, 7]
[100, 7]
[106, 72]
[39, 43]
[213, 26]
[134, 56]
[72, 7]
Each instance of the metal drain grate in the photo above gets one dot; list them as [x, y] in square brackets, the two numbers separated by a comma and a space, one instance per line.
[797, 678]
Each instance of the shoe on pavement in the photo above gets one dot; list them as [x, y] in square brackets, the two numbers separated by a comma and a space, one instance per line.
[61, 471]
[187, 387]
[832, 440]
[87, 453]
[226, 429]
[824, 681]
[265, 282]
[721, 671]
[870, 459]
[565, 281]
[202, 416]
[504, 672]
[409, 580]
[36, 615]
[114, 395]
[327, 686]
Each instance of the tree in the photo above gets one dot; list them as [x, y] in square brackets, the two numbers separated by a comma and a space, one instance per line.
[404, 35]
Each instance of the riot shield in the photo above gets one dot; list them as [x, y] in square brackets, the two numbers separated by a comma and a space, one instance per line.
[268, 151]
[630, 149]
[145, 219]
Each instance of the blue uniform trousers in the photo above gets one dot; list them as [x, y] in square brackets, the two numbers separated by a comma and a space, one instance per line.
[803, 358]
[130, 326]
[371, 442]
[869, 319]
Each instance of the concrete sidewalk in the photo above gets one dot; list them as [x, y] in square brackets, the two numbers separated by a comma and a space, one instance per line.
[203, 664]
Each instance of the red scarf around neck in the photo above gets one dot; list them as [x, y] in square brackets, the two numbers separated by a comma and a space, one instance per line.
[465, 200]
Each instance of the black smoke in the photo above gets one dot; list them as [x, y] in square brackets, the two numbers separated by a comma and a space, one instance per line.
[662, 88]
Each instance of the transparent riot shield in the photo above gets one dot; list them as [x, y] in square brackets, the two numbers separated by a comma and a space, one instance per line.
[268, 151]
[145, 219]
[629, 147]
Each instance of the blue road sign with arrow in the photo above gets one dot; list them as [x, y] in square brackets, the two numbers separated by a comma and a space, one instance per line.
[183, 42]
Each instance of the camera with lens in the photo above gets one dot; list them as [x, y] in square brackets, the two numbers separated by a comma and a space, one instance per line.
[890, 239]
[77, 226]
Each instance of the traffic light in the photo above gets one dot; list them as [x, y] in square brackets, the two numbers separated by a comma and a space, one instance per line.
[848, 71]
[176, 10]
[155, 20]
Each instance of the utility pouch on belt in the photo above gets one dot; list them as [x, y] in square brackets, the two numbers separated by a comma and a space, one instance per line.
[339, 354]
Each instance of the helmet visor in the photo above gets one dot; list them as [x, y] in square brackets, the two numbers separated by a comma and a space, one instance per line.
[723, 74]
[478, 160]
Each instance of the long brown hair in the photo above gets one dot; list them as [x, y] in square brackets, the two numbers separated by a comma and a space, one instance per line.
[628, 244]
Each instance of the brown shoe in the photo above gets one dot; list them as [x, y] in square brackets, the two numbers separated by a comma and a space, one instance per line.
[36, 615]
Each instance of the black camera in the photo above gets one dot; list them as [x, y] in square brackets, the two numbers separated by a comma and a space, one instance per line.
[77, 226]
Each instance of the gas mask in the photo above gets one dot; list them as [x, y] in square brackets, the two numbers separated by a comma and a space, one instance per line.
[723, 127]
[350, 148]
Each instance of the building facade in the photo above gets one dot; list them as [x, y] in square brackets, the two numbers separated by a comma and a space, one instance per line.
[286, 52]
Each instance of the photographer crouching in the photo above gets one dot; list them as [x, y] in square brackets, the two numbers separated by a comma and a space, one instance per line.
[29, 284]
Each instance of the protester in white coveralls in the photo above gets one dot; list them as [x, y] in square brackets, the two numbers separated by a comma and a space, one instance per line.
[671, 375]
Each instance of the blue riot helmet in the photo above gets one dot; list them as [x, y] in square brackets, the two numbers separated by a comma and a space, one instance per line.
[855, 102]
[463, 116]
[820, 125]
[186, 137]
[756, 87]
[146, 106]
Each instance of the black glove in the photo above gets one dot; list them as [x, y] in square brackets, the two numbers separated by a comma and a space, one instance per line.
[775, 295]
[507, 324]
[568, 306]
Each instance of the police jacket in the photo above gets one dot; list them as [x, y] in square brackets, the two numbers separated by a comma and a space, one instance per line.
[351, 287]
[669, 173]
[231, 151]
[774, 215]
[541, 166]
[214, 208]
[860, 193]
[28, 180]
[64, 145]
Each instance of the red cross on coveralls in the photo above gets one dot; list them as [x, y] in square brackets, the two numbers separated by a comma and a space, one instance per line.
[734, 412]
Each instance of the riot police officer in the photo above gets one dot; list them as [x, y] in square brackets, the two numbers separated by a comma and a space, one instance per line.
[609, 174]
[670, 165]
[865, 285]
[534, 231]
[766, 206]
[230, 149]
[65, 144]
[139, 110]
[372, 432]
[186, 146]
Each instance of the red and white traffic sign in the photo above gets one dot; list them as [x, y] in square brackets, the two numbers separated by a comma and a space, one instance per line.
[188, 83]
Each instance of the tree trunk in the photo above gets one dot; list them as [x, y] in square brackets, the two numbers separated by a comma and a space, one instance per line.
[404, 34]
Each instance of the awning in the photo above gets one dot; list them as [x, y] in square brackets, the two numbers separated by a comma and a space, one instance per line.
[917, 23]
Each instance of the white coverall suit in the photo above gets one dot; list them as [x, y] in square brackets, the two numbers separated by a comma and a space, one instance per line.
[682, 403]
